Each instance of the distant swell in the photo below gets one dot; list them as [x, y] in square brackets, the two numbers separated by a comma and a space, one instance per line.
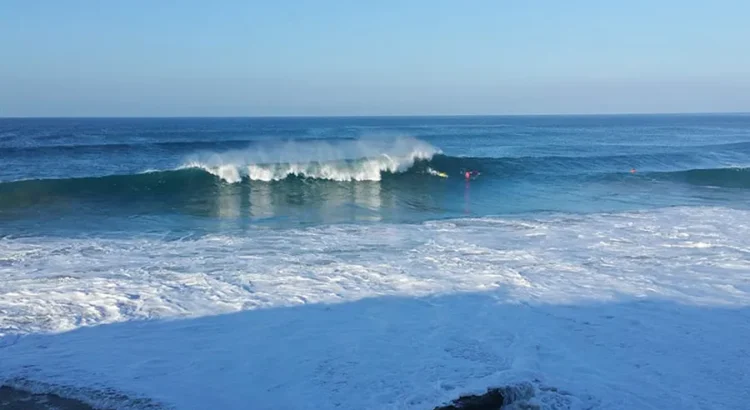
[161, 146]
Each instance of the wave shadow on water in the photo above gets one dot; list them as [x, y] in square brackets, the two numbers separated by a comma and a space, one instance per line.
[401, 353]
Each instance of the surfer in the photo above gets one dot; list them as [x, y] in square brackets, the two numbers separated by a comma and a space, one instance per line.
[471, 174]
[440, 174]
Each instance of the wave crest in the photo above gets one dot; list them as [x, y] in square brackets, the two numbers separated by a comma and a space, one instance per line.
[361, 160]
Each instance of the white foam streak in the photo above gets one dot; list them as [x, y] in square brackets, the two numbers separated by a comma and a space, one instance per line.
[360, 160]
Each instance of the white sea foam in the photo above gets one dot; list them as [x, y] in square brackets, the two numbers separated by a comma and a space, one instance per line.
[347, 160]
[615, 311]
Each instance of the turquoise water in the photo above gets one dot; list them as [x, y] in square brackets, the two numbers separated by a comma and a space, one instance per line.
[195, 176]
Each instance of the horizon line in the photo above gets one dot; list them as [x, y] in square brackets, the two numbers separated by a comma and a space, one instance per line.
[290, 116]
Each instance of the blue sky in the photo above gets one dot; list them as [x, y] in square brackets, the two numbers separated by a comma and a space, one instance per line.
[238, 58]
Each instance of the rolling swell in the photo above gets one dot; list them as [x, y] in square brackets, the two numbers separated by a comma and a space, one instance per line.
[732, 177]
[611, 168]
[195, 181]
[121, 188]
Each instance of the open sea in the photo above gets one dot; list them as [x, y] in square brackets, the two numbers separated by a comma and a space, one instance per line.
[591, 246]
[125, 177]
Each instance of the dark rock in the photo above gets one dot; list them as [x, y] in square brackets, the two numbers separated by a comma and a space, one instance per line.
[492, 400]
[17, 399]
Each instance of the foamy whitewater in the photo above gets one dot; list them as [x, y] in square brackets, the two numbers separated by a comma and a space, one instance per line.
[359, 160]
[322, 263]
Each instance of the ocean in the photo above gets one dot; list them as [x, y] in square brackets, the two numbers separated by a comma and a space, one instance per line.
[197, 176]
[584, 246]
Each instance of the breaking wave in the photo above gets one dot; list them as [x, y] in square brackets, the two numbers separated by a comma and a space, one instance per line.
[359, 160]
[403, 164]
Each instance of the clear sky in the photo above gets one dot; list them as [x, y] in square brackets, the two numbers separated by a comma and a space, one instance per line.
[325, 57]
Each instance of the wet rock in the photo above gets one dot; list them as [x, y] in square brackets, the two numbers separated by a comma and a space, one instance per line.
[17, 399]
[492, 400]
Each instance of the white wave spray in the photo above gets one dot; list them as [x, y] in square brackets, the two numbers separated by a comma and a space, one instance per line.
[434, 172]
[357, 160]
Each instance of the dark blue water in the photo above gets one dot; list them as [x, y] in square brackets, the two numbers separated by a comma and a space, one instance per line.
[121, 176]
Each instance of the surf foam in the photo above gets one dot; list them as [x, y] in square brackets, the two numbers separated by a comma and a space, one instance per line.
[615, 311]
[342, 160]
